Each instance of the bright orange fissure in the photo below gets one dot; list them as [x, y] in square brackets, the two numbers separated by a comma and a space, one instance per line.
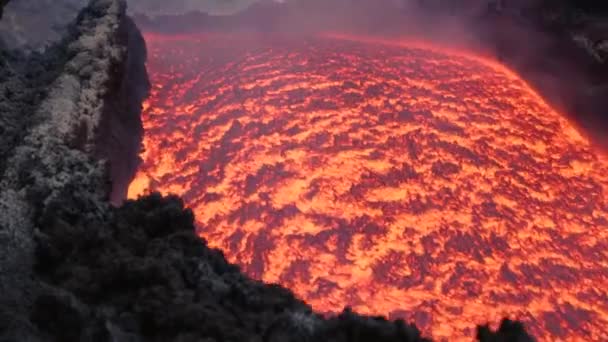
[397, 179]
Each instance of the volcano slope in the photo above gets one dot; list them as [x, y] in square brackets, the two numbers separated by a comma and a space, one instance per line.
[394, 178]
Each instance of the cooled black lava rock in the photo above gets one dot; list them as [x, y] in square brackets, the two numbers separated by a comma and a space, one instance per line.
[52, 106]
[507, 331]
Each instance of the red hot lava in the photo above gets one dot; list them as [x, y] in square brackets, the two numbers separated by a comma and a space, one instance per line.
[398, 179]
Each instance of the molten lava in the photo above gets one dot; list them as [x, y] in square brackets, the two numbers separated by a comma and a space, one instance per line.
[397, 179]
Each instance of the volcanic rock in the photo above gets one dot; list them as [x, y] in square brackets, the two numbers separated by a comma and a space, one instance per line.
[55, 104]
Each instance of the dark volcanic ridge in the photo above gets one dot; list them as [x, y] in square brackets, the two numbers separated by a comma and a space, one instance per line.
[74, 268]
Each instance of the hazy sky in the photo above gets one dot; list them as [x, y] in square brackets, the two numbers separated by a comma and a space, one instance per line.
[154, 7]
[34, 24]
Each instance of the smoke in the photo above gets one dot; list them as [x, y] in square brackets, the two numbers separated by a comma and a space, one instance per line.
[162, 7]
[557, 46]
[554, 44]
[25, 27]
[28, 28]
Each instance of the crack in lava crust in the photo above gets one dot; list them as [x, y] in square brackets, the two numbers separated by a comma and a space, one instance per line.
[398, 180]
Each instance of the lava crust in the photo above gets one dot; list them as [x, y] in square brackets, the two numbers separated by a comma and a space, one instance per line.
[394, 178]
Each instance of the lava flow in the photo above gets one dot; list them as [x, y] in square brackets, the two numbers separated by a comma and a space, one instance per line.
[397, 179]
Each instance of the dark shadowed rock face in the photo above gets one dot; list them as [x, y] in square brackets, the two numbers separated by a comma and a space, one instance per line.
[119, 134]
[143, 272]
[507, 331]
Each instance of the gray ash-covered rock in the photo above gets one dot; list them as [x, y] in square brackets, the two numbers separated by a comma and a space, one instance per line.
[53, 107]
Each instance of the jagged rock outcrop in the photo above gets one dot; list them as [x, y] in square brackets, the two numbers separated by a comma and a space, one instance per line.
[53, 115]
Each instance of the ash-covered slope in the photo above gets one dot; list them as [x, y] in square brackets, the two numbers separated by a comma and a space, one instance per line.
[53, 108]
[74, 268]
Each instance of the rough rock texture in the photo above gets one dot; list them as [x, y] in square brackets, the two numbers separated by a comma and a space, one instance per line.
[143, 274]
[53, 107]
[119, 133]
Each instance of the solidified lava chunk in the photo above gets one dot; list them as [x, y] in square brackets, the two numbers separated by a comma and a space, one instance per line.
[394, 178]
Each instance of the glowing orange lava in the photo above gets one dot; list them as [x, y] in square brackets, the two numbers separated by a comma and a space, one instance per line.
[399, 180]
